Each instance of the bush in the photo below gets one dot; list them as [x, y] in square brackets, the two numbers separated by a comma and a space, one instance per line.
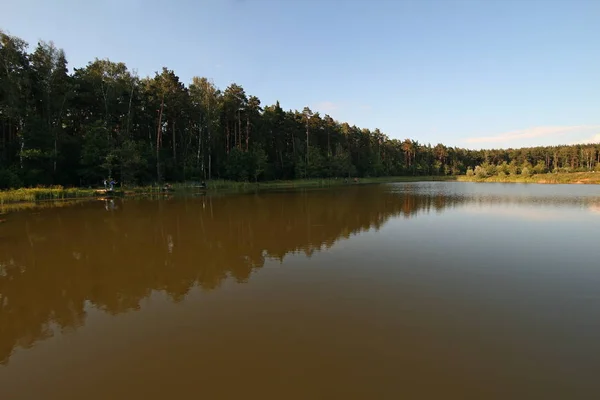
[9, 179]
[470, 171]
[480, 172]
[490, 169]
[513, 168]
[540, 168]
[503, 169]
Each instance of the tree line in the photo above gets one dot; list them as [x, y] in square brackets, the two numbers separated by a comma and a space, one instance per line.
[104, 121]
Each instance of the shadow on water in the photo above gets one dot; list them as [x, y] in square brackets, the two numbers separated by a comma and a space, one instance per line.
[113, 253]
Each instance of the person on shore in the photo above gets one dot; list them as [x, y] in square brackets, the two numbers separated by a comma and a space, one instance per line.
[105, 184]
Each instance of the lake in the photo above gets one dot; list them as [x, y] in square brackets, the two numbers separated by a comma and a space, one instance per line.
[432, 290]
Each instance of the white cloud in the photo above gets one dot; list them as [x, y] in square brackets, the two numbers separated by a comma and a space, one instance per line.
[537, 132]
[326, 106]
[593, 139]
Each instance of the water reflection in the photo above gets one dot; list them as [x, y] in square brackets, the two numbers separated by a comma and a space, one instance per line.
[109, 204]
[56, 263]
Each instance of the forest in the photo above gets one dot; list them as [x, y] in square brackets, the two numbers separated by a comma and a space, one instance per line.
[76, 128]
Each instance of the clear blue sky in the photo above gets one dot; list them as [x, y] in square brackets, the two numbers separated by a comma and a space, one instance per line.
[486, 73]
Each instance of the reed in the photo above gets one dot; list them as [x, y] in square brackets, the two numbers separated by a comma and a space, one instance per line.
[549, 178]
[43, 193]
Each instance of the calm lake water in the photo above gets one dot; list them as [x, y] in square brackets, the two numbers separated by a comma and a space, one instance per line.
[411, 290]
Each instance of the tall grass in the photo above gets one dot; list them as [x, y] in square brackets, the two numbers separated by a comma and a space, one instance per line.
[38, 194]
[549, 178]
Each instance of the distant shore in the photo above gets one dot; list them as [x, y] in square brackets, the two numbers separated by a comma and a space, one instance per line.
[549, 178]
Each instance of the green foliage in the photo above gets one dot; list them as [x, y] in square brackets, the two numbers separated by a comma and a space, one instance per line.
[490, 169]
[526, 168]
[96, 158]
[480, 172]
[540, 168]
[513, 168]
[130, 161]
[9, 179]
[237, 168]
[257, 162]
[555, 178]
[503, 169]
[102, 120]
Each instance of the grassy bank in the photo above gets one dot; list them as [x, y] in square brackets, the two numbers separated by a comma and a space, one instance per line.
[38, 194]
[32, 195]
[551, 178]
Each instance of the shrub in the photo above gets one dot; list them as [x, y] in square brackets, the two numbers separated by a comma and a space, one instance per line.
[490, 169]
[480, 172]
[503, 169]
[540, 168]
[9, 179]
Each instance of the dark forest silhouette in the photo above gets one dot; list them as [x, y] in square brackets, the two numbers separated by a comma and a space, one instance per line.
[103, 120]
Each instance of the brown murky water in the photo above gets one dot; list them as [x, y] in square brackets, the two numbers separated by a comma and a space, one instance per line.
[416, 291]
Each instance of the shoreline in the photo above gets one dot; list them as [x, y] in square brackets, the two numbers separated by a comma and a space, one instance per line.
[570, 178]
[31, 196]
[50, 194]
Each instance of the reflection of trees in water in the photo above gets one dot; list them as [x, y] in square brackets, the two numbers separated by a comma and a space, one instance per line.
[55, 262]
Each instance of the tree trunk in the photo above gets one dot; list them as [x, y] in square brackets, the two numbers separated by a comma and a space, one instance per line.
[129, 109]
[56, 132]
[227, 134]
[239, 130]
[4, 140]
[199, 148]
[158, 137]
[22, 146]
[307, 143]
[293, 146]
[247, 131]
[174, 144]
[281, 161]
[234, 132]
[209, 143]
[55, 150]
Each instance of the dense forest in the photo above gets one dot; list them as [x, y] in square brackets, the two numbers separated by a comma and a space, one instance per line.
[102, 121]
